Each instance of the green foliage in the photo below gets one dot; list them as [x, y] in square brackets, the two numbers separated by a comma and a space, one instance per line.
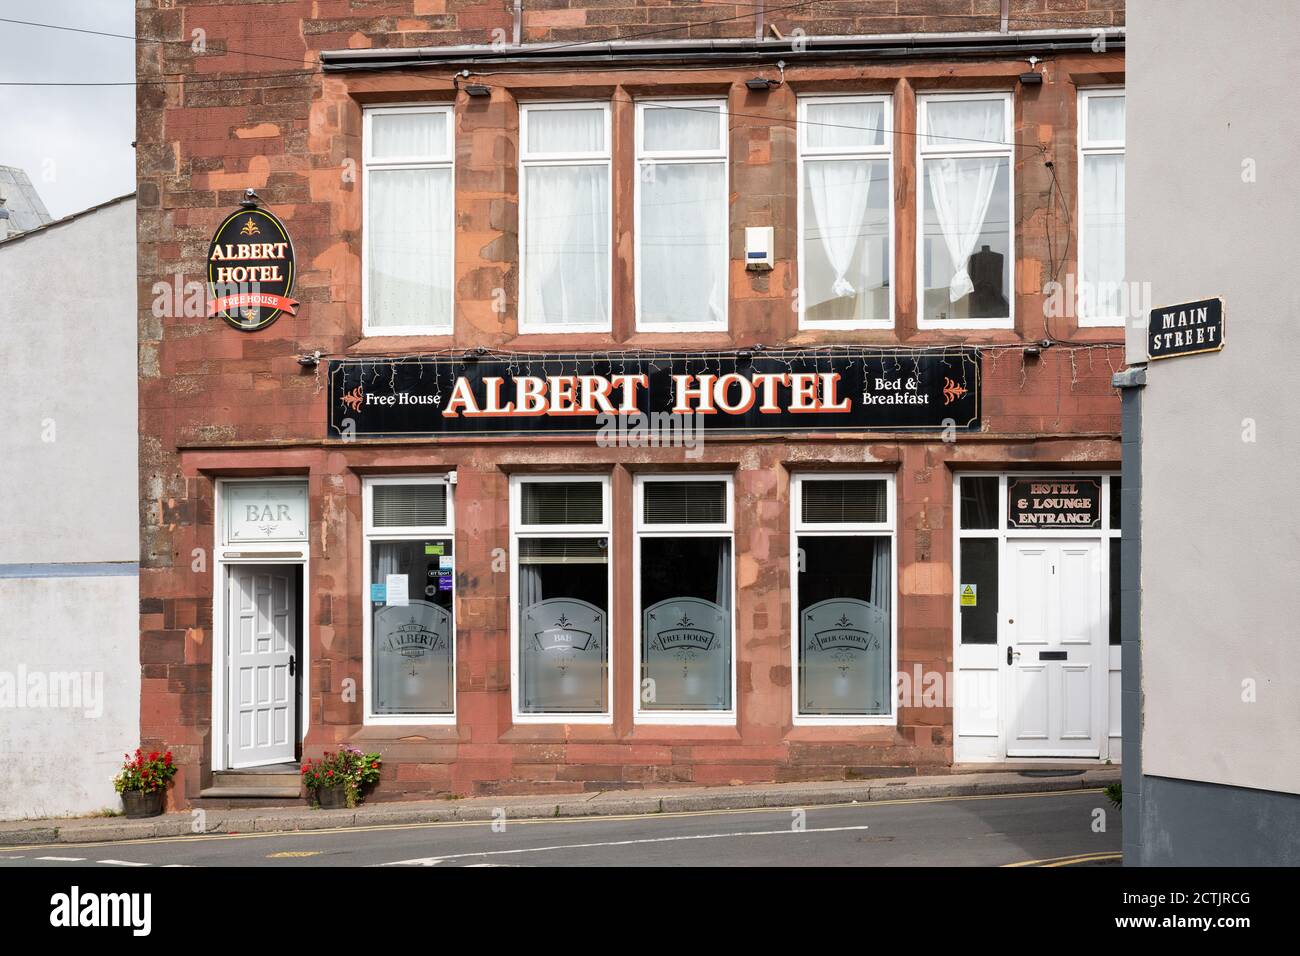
[1115, 793]
[348, 768]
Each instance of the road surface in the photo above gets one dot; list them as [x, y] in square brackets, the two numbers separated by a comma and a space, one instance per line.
[1048, 829]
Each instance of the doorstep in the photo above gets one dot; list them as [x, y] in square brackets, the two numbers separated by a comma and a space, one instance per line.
[604, 803]
[276, 782]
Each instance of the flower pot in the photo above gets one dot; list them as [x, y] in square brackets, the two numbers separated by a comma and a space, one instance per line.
[332, 798]
[140, 804]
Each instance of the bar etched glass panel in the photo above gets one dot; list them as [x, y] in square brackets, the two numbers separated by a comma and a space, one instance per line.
[563, 606]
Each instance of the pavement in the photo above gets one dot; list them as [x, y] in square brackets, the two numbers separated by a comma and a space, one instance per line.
[1047, 829]
[510, 810]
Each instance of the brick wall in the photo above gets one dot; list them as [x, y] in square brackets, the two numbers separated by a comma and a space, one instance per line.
[217, 401]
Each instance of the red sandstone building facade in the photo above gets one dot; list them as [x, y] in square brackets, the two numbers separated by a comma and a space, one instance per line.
[388, 518]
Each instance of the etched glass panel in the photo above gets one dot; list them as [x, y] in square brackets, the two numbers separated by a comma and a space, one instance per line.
[845, 656]
[412, 627]
[563, 601]
[686, 624]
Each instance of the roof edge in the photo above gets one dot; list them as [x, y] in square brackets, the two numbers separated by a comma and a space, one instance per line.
[883, 46]
[70, 217]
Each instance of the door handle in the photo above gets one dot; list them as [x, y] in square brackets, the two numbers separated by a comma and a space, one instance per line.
[1012, 654]
[293, 665]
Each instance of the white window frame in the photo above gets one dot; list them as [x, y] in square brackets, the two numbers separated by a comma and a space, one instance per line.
[531, 160]
[959, 151]
[519, 530]
[668, 157]
[640, 530]
[822, 529]
[371, 534]
[1088, 147]
[884, 151]
[369, 163]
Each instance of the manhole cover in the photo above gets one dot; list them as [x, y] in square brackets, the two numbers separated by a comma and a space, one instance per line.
[1051, 773]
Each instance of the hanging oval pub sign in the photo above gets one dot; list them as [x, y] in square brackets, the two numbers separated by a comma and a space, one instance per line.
[251, 269]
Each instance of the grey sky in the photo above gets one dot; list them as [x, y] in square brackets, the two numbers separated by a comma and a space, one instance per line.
[74, 142]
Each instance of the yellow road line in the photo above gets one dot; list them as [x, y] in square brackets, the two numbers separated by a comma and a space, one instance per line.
[528, 821]
[1091, 858]
[1067, 860]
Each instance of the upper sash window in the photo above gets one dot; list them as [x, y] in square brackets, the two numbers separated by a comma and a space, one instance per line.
[408, 197]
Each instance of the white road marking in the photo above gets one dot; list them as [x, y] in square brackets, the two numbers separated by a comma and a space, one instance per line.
[435, 860]
[63, 859]
[122, 863]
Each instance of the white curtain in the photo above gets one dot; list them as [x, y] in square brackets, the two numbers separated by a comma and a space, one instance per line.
[408, 136]
[566, 131]
[1106, 118]
[724, 576]
[1103, 235]
[387, 556]
[844, 125]
[881, 587]
[683, 242]
[677, 128]
[566, 237]
[961, 188]
[530, 586]
[410, 234]
[839, 191]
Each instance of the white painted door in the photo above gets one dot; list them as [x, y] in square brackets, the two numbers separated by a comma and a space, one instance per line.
[1055, 672]
[261, 627]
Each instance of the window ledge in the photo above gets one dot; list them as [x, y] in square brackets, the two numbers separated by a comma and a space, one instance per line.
[881, 734]
[559, 733]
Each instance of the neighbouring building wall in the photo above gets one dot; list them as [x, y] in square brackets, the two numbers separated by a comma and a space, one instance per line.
[1213, 211]
[69, 652]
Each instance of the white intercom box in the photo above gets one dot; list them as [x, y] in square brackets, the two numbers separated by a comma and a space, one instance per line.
[758, 248]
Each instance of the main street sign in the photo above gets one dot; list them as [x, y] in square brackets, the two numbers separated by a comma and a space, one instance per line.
[1185, 329]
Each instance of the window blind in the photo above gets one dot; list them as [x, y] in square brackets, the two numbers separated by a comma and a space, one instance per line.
[563, 550]
[410, 506]
[856, 501]
[562, 502]
[685, 502]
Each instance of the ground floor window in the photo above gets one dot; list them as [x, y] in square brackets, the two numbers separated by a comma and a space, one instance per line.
[684, 587]
[410, 585]
[561, 531]
[844, 581]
